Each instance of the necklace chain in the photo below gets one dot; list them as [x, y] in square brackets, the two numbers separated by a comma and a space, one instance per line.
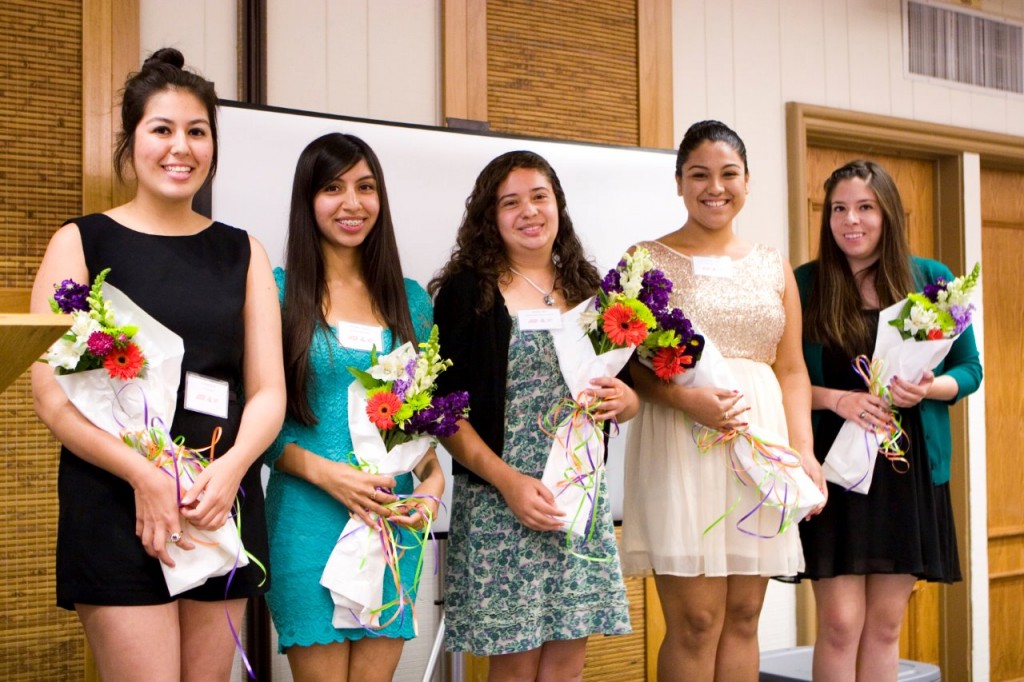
[549, 300]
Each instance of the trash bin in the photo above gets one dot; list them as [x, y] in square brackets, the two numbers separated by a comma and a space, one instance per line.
[794, 665]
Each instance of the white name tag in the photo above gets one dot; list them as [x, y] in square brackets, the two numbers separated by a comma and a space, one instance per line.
[713, 266]
[206, 395]
[361, 336]
[535, 319]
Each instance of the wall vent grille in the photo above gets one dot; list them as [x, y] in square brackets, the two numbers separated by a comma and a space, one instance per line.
[964, 47]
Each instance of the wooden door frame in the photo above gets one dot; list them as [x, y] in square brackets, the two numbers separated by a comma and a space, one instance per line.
[811, 125]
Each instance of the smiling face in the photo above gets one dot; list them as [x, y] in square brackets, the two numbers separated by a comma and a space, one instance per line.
[527, 212]
[346, 209]
[856, 220]
[173, 146]
[713, 185]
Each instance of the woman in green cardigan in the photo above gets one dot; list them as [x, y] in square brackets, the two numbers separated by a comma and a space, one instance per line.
[864, 552]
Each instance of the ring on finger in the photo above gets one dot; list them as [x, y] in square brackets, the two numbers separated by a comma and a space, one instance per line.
[373, 495]
[863, 414]
[174, 538]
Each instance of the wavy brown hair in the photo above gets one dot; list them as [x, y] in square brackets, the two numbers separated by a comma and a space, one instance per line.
[306, 293]
[833, 316]
[478, 244]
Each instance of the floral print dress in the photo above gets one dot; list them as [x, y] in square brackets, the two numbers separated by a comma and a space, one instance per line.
[509, 589]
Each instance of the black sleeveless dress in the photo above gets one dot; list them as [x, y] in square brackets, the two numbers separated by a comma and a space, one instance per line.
[195, 286]
[904, 525]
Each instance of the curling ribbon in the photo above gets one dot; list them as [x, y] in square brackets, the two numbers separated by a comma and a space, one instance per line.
[571, 424]
[891, 438]
[774, 459]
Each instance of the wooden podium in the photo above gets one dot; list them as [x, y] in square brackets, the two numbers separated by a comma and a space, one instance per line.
[24, 336]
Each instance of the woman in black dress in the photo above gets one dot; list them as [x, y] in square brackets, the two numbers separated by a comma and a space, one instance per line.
[864, 552]
[212, 285]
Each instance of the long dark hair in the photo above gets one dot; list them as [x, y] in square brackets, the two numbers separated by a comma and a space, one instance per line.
[162, 70]
[478, 244]
[833, 316]
[306, 291]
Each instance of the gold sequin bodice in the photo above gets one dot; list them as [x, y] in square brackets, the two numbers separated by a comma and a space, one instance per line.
[742, 314]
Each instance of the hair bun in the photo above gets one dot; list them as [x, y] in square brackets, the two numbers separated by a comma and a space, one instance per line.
[165, 55]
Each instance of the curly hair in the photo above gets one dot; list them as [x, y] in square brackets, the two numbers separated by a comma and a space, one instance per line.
[479, 247]
[833, 317]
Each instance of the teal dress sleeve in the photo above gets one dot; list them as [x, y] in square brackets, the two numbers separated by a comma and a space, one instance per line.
[420, 309]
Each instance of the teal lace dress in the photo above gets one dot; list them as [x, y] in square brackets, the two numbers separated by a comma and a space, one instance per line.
[303, 521]
[510, 589]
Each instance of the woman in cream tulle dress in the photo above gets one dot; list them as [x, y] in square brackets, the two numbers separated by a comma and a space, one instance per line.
[684, 510]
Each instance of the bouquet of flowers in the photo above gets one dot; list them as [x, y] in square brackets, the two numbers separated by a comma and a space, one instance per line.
[216, 552]
[132, 393]
[394, 417]
[914, 335]
[597, 338]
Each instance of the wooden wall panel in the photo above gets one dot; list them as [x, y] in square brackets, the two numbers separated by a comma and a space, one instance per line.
[40, 186]
[566, 71]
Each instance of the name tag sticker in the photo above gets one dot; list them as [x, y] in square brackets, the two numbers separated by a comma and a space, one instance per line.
[360, 336]
[713, 266]
[535, 319]
[206, 395]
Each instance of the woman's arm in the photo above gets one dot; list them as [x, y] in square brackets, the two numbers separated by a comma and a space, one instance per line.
[427, 495]
[791, 372]
[263, 377]
[361, 492]
[156, 510]
[528, 498]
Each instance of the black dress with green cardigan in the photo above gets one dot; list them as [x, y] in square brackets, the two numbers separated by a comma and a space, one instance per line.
[904, 525]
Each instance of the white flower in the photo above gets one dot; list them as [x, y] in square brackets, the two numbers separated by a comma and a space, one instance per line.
[65, 353]
[920, 319]
[83, 326]
[588, 320]
[637, 263]
[391, 367]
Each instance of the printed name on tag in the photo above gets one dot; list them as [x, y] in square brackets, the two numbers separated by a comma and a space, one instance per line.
[206, 395]
[361, 336]
[535, 319]
[713, 266]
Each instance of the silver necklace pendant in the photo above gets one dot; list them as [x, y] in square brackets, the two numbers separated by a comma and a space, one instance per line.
[549, 300]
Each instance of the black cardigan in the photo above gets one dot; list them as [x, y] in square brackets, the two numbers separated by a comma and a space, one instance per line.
[477, 345]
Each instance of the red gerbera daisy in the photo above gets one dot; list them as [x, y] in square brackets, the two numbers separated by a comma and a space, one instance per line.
[667, 363]
[124, 363]
[380, 409]
[623, 327]
[934, 334]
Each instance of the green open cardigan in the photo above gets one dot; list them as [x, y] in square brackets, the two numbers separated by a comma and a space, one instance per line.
[962, 364]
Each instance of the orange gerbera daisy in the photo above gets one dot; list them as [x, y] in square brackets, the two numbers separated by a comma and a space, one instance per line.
[667, 363]
[623, 327]
[381, 408]
[124, 363]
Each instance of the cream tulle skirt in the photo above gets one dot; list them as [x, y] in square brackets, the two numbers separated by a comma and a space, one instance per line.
[674, 494]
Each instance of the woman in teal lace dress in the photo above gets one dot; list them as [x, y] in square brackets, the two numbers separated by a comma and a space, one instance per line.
[514, 591]
[343, 295]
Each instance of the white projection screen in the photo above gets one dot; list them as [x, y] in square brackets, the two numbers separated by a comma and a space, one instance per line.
[616, 195]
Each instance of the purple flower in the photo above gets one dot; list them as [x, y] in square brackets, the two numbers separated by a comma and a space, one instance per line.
[71, 296]
[450, 408]
[100, 344]
[962, 316]
[654, 290]
[675, 320]
[932, 290]
[612, 283]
